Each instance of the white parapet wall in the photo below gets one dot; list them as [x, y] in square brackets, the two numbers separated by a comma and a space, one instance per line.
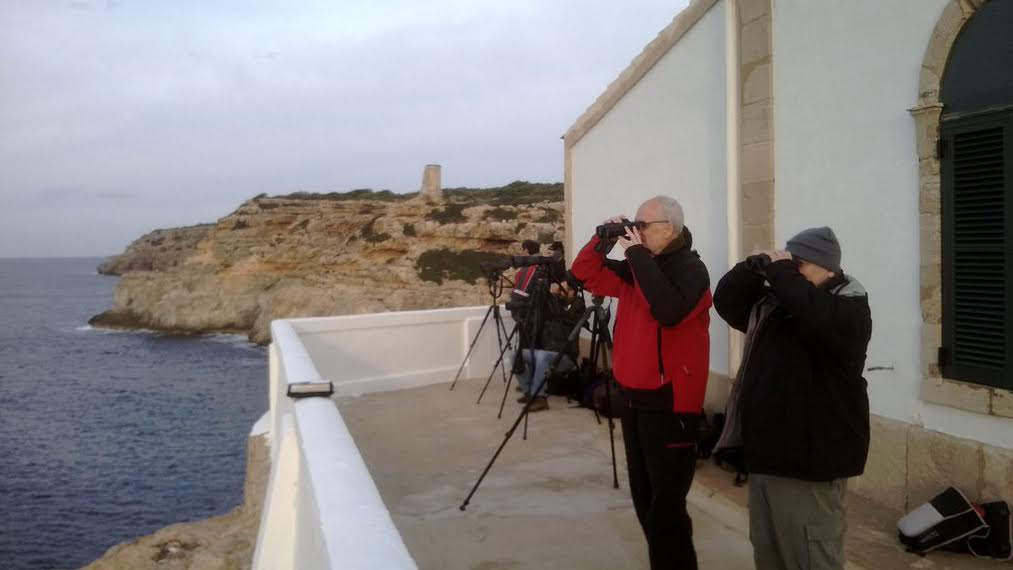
[322, 508]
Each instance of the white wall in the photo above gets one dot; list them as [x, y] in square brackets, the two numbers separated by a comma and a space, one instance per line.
[382, 351]
[845, 74]
[665, 136]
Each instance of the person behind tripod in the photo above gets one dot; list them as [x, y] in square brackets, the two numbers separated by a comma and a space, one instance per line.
[661, 359]
[562, 309]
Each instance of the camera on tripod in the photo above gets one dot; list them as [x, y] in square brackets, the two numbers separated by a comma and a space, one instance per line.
[518, 261]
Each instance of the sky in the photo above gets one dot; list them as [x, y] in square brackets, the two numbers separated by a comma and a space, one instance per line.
[118, 117]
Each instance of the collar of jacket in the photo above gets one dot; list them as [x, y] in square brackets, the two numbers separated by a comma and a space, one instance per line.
[684, 241]
[835, 281]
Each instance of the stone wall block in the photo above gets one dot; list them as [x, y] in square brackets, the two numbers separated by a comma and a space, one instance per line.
[929, 196]
[961, 395]
[931, 305]
[928, 168]
[930, 229]
[951, 20]
[757, 237]
[885, 477]
[932, 279]
[928, 84]
[750, 10]
[936, 461]
[932, 339]
[758, 203]
[997, 475]
[757, 85]
[927, 131]
[757, 162]
[755, 41]
[756, 122]
[1002, 403]
[969, 7]
[938, 51]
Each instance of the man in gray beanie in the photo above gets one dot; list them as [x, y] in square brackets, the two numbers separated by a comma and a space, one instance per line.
[798, 414]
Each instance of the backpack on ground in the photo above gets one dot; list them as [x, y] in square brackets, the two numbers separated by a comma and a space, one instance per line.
[995, 540]
[950, 521]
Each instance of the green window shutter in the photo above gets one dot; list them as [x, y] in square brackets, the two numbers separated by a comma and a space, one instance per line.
[975, 162]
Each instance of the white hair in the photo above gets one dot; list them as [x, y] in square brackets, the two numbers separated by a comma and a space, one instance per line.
[672, 211]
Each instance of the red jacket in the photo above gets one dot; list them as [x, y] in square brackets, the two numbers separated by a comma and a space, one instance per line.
[661, 331]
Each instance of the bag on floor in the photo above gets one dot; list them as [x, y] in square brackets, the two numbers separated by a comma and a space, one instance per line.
[949, 517]
[994, 540]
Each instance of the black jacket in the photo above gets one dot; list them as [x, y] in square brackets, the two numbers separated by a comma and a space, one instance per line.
[560, 318]
[804, 407]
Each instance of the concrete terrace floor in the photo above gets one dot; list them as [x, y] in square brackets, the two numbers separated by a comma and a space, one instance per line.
[548, 501]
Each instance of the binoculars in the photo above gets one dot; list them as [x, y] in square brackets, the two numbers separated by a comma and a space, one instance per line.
[614, 230]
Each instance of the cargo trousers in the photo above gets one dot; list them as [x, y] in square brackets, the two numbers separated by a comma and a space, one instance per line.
[796, 524]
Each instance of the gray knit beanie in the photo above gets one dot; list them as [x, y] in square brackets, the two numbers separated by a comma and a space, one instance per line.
[817, 245]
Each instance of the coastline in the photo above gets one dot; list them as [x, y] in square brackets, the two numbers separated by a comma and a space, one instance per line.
[223, 542]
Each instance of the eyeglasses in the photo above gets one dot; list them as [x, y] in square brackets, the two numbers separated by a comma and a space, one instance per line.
[642, 224]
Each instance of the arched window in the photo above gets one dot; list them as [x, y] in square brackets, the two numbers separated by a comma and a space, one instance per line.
[976, 161]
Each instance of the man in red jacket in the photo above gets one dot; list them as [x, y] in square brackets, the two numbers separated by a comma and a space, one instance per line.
[661, 360]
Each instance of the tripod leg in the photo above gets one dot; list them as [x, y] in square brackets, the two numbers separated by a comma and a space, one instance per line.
[472, 347]
[606, 343]
[506, 389]
[573, 335]
[500, 333]
[502, 351]
[523, 416]
[592, 364]
[485, 471]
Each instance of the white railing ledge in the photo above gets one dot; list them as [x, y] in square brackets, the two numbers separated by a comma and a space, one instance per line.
[359, 532]
[322, 508]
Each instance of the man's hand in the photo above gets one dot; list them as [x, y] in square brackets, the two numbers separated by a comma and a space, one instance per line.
[633, 237]
[776, 255]
[562, 290]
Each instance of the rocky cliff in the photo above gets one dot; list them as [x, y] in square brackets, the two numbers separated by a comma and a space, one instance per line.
[326, 254]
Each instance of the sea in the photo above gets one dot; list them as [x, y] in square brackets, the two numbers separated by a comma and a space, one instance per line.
[106, 436]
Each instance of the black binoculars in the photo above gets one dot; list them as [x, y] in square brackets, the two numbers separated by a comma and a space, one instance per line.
[614, 230]
[757, 263]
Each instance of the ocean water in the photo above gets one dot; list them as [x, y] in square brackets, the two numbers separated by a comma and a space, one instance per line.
[106, 436]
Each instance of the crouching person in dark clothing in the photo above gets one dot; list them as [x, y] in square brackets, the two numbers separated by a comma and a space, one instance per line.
[563, 310]
[799, 409]
[661, 360]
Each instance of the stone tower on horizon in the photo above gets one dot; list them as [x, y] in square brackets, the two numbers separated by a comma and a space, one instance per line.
[431, 186]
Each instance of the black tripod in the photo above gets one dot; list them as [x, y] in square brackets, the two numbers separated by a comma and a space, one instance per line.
[528, 327]
[601, 343]
[495, 279]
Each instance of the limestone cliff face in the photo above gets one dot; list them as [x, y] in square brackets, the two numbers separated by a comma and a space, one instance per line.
[298, 256]
[160, 250]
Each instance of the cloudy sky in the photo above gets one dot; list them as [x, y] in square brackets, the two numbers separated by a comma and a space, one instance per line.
[118, 117]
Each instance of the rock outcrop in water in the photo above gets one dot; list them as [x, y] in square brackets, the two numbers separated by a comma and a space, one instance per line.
[326, 254]
[224, 542]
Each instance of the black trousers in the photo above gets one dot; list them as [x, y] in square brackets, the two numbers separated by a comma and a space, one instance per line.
[661, 459]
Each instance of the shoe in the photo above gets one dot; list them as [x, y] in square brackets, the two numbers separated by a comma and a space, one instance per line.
[540, 403]
[523, 399]
[518, 388]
